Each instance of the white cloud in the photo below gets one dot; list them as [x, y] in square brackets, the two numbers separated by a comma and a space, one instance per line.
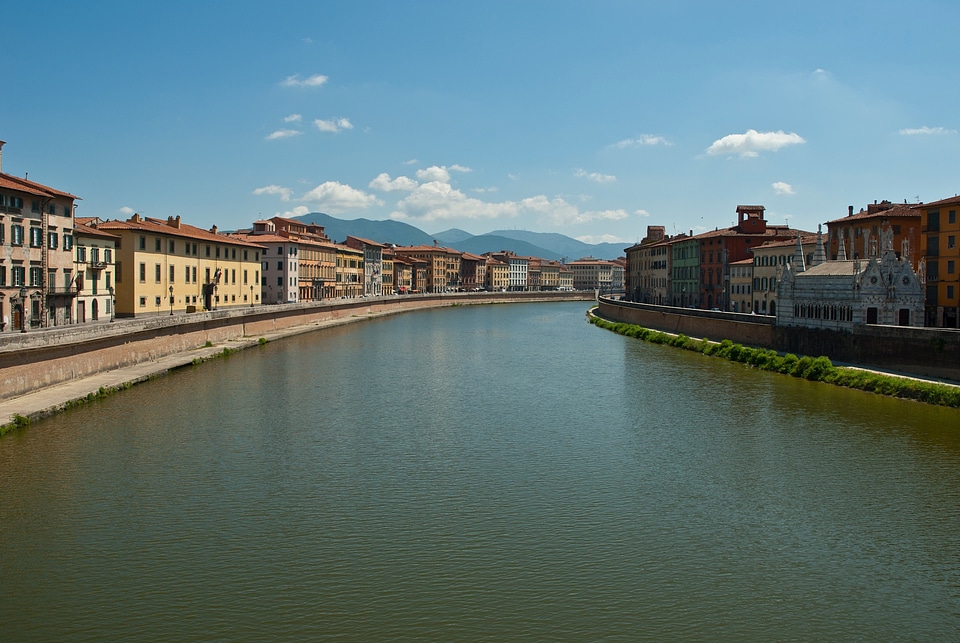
[782, 188]
[460, 168]
[596, 177]
[333, 124]
[411, 162]
[438, 201]
[282, 133]
[920, 131]
[293, 118]
[643, 139]
[434, 173]
[334, 197]
[282, 192]
[485, 190]
[312, 81]
[298, 211]
[127, 210]
[641, 213]
[384, 183]
[752, 142]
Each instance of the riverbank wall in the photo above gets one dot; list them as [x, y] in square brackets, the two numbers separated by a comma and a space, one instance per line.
[921, 352]
[38, 359]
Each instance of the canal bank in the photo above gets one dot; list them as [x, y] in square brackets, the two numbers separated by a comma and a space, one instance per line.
[44, 372]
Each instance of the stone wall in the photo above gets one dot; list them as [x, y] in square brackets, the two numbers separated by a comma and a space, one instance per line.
[922, 352]
[36, 359]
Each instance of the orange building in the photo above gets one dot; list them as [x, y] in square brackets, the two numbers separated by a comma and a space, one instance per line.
[940, 261]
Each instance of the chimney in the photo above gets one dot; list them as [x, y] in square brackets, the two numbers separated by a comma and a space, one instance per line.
[213, 229]
[849, 210]
[2, 143]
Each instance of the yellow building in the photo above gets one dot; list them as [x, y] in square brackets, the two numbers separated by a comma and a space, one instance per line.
[349, 271]
[741, 286]
[166, 266]
[940, 230]
[443, 266]
[498, 275]
[94, 267]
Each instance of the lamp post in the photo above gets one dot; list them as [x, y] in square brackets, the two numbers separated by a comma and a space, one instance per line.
[113, 302]
[171, 301]
[251, 295]
[23, 309]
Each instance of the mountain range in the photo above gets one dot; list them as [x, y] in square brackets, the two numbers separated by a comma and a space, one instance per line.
[547, 245]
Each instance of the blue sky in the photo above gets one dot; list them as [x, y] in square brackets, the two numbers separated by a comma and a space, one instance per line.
[594, 119]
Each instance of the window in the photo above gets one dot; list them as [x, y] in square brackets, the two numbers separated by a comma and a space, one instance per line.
[143, 302]
[949, 292]
[244, 277]
[19, 276]
[186, 274]
[36, 276]
[3, 275]
[156, 244]
[143, 273]
[280, 281]
[172, 246]
[82, 254]
[67, 278]
[156, 273]
[951, 266]
[951, 240]
[952, 216]
[35, 206]
[3, 229]
[279, 265]
[143, 243]
[95, 255]
[233, 275]
[36, 237]
[194, 274]
[108, 255]
[172, 268]
[67, 242]
[280, 250]
[208, 251]
[67, 211]
[207, 277]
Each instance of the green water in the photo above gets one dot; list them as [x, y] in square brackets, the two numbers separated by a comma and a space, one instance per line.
[493, 473]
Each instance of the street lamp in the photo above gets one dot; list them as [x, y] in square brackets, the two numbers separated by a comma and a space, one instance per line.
[113, 302]
[251, 295]
[171, 300]
[23, 309]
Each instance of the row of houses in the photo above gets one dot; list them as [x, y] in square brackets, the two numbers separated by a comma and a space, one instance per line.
[57, 268]
[888, 263]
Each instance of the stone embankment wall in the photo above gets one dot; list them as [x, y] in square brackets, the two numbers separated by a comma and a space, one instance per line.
[923, 352]
[36, 359]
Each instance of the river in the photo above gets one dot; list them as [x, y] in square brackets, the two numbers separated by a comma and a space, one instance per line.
[481, 473]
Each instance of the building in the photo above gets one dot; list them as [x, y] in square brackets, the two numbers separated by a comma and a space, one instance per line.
[850, 237]
[94, 267]
[518, 268]
[317, 257]
[36, 254]
[498, 275]
[549, 274]
[769, 260]
[167, 267]
[646, 271]
[741, 286]
[723, 246]
[595, 274]
[349, 275]
[685, 271]
[940, 261]
[280, 263]
[443, 266]
[372, 264]
[473, 272]
[838, 295]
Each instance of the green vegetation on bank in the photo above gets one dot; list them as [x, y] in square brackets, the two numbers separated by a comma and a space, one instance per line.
[817, 369]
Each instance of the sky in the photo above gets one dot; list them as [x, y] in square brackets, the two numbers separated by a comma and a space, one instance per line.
[591, 119]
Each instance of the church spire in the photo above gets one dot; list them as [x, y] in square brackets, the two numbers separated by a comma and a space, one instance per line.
[798, 263]
[819, 254]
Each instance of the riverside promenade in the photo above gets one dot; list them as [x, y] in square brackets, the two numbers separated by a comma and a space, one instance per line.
[45, 400]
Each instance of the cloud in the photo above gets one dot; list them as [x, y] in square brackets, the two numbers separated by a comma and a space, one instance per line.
[641, 213]
[293, 118]
[384, 183]
[434, 173]
[282, 133]
[752, 142]
[282, 192]
[411, 162]
[485, 190]
[782, 188]
[640, 141]
[596, 177]
[127, 210]
[920, 131]
[333, 125]
[438, 201]
[298, 211]
[460, 168]
[334, 197]
[295, 81]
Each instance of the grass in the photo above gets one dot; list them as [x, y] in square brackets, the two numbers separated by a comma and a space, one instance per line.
[815, 369]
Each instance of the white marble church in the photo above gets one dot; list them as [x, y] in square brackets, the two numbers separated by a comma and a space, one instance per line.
[837, 295]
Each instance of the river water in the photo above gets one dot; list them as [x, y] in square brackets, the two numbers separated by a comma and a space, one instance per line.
[489, 473]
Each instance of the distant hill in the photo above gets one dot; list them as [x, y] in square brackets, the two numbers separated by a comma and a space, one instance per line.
[396, 232]
[548, 245]
[565, 246]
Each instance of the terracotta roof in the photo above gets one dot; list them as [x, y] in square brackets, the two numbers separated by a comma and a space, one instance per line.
[733, 231]
[953, 200]
[80, 228]
[895, 210]
[787, 243]
[172, 227]
[11, 182]
[367, 242]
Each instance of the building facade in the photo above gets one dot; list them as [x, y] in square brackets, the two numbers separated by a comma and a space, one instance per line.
[940, 261]
[94, 267]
